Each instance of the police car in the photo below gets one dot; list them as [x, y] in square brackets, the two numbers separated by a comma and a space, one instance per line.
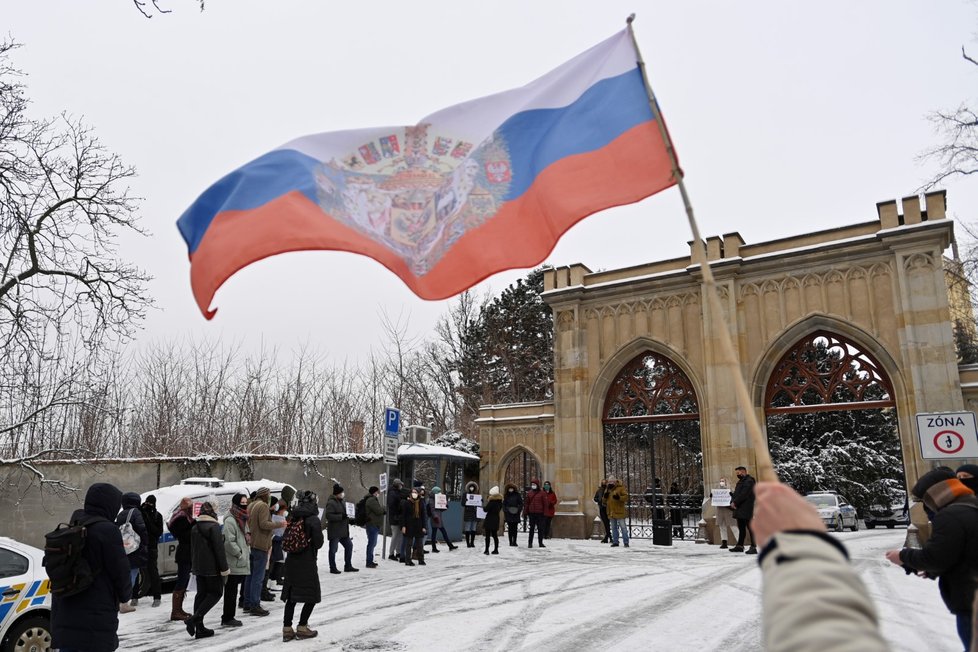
[834, 510]
[25, 599]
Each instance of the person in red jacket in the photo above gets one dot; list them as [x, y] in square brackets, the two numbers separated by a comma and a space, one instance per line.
[535, 507]
[550, 510]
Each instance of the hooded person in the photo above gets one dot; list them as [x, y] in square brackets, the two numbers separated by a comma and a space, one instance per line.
[395, 496]
[209, 565]
[302, 568]
[512, 508]
[470, 513]
[138, 558]
[89, 620]
[968, 475]
[490, 526]
[951, 552]
[338, 530]
[535, 507]
[238, 552]
[154, 527]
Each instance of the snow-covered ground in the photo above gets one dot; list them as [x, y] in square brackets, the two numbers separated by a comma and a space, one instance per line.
[573, 595]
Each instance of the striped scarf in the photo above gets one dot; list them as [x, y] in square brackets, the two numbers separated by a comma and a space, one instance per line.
[944, 493]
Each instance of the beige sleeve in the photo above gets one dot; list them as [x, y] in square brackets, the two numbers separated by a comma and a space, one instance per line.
[813, 600]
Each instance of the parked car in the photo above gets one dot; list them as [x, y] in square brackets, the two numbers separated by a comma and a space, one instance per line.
[199, 490]
[836, 512]
[891, 515]
[25, 598]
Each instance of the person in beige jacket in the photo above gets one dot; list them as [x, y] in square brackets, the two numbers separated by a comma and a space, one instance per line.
[811, 599]
[260, 527]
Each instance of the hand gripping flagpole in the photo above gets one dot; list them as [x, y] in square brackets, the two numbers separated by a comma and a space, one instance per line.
[765, 468]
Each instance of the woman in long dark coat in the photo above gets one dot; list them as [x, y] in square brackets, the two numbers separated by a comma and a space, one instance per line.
[302, 569]
[413, 527]
[513, 507]
[490, 526]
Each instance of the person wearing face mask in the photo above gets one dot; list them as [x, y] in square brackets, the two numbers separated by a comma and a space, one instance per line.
[951, 552]
[968, 475]
[277, 560]
[413, 528]
[535, 508]
[512, 507]
[742, 502]
[490, 526]
[470, 515]
[550, 510]
[338, 531]
[725, 521]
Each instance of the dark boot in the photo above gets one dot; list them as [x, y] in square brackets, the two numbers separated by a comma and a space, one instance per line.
[191, 625]
[203, 632]
[723, 544]
[434, 547]
[450, 546]
[486, 552]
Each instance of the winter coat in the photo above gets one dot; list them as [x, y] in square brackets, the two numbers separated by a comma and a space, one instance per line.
[599, 496]
[536, 501]
[302, 568]
[494, 505]
[435, 513]
[618, 502]
[394, 498]
[130, 510]
[236, 548]
[260, 525]
[812, 600]
[951, 553]
[413, 517]
[89, 620]
[512, 503]
[153, 521]
[550, 509]
[337, 522]
[743, 498]
[207, 557]
[375, 513]
[180, 529]
[470, 512]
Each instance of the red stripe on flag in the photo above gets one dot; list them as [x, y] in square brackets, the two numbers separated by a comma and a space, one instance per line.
[522, 234]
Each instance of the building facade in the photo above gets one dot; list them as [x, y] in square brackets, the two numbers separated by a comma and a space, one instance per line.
[878, 290]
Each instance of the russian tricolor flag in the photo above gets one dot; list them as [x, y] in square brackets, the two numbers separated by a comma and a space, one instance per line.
[471, 190]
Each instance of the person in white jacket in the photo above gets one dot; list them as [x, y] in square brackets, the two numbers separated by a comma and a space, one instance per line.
[812, 600]
[725, 520]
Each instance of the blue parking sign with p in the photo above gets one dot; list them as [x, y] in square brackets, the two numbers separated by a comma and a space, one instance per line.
[392, 421]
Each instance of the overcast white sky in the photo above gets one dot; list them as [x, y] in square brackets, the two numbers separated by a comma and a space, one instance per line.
[788, 117]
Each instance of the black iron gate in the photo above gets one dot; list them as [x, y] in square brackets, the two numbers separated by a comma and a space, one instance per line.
[661, 465]
[652, 444]
[522, 467]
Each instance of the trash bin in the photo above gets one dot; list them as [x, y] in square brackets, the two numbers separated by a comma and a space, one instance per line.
[661, 532]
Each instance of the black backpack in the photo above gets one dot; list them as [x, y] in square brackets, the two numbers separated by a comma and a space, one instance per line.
[360, 515]
[68, 570]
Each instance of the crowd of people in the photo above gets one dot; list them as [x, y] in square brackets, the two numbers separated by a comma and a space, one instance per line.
[812, 599]
[232, 556]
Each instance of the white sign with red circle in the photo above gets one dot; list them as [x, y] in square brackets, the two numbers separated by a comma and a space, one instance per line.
[947, 435]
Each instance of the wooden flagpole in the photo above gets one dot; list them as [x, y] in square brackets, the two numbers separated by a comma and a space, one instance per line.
[728, 358]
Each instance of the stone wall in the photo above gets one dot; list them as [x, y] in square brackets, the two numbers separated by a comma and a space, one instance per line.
[30, 510]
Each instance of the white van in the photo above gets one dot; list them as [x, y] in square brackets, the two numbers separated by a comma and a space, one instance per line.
[198, 490]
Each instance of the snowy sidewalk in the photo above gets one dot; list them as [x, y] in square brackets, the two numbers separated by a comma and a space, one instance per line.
[573, 595]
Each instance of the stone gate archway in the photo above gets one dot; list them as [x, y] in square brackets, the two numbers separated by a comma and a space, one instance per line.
[652, 443]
